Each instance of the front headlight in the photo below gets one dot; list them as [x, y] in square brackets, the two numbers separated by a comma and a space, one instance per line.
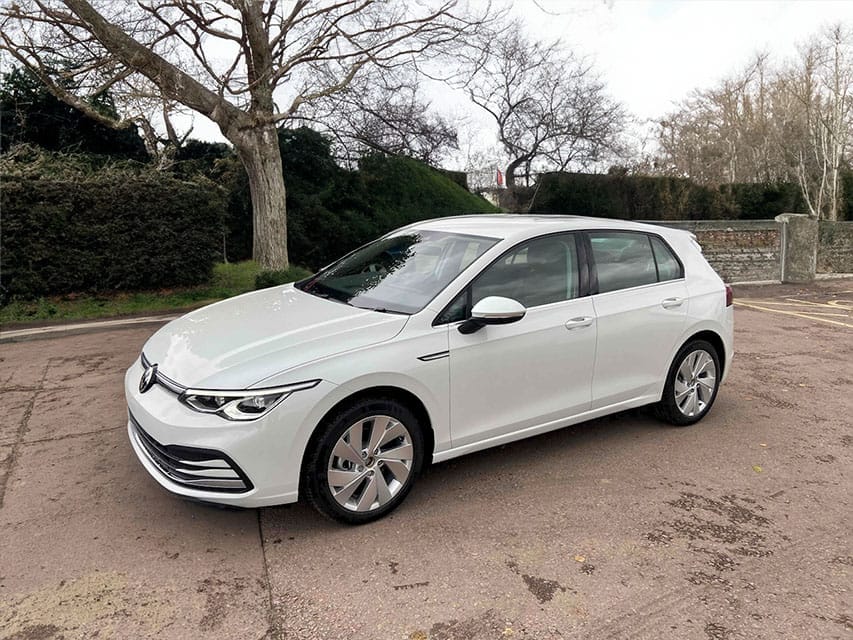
[247, 404]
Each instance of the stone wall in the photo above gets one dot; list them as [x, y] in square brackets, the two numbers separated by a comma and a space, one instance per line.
[751, 250]
[739, 250]
[835, 247]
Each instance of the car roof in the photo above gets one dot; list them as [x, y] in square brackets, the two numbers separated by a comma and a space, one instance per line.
[521, 226]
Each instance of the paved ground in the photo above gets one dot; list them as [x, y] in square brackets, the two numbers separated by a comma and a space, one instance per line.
[620, 528]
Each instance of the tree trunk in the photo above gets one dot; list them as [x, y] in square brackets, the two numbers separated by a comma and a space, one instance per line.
[510, 171]
[259, 152]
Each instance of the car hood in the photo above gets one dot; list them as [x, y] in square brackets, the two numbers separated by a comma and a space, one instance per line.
[239, 342]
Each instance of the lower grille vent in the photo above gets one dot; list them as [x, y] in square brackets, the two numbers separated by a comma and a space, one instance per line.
[192, 467]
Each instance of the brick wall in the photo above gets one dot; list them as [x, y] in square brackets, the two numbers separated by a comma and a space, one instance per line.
[739, 250]
[835, 247]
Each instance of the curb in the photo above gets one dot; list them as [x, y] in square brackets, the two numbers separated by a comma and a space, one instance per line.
[37, 333]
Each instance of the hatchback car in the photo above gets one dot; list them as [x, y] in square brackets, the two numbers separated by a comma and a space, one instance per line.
[439, 339]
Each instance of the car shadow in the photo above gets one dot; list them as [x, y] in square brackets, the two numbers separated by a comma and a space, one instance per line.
[489, 470]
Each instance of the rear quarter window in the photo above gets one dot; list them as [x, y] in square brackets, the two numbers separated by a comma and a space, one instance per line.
[669, 268]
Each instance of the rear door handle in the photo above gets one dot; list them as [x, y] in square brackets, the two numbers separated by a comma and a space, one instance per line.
[577, 323]
[671, 303]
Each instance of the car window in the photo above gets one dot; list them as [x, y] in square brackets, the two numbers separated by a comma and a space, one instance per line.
[623, 259]
[669, 268]
[399, 273]
[538, 272]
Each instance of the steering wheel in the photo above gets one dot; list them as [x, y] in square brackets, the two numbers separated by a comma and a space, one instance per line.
[374, 267]
[380, 264]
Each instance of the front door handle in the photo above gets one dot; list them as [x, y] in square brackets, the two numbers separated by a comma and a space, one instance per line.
[671, 303]
[576, 323]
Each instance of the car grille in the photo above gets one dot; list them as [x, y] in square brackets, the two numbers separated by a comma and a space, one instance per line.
[162, 379]
[192, 467]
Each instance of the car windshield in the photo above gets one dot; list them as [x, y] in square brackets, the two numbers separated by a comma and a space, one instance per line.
[399, 273]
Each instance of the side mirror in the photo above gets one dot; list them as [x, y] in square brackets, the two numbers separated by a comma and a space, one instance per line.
[493, 310]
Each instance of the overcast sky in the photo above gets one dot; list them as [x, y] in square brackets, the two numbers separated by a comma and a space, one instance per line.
[652, 53]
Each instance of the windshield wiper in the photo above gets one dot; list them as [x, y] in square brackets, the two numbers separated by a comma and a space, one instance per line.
[383, 310]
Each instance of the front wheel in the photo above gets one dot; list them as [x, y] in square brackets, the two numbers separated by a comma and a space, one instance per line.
[692, 384]
[364, 461]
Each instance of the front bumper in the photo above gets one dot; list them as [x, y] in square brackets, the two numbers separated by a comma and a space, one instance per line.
[254, 464]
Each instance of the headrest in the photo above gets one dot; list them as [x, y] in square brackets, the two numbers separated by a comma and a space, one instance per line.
[547, 252]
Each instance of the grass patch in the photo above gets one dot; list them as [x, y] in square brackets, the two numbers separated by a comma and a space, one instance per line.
[273, 278]
[228, 280]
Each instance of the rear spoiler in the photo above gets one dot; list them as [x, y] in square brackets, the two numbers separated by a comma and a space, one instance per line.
[694, 240]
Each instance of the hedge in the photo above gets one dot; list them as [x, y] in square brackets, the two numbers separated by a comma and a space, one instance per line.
[627, 197]
[109, 230]
[661, 198]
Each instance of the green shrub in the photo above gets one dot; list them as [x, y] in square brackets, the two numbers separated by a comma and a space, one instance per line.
[274, 278]
[617, 195]
[756, 201]
[112, 229]
[846, 208]
[626, 197]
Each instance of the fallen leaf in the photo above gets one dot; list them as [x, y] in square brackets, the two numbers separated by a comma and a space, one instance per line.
[580, 558]
[762, 444]
[801, 385]
[757, 468]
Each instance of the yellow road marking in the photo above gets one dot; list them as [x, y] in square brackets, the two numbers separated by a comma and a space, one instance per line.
[832, 304]
[789, 304]
[837, 303]
[824, 313]
[808, 303]
[792, 313]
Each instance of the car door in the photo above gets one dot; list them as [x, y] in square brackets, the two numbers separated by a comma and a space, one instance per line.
[640, 301]
[506, 378]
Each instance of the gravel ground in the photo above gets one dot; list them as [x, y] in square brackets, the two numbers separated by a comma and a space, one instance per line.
[738, 527]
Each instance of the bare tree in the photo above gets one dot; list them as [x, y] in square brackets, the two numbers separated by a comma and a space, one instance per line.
[818, 89]
[248, 65]
[771, 123]
[383, 111]
[548, 105]
[726, 133]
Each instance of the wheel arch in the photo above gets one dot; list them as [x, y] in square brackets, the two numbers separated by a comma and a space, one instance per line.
[403, 396]
[716, 341]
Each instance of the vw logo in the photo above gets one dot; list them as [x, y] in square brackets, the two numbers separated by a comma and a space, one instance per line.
[147, 379]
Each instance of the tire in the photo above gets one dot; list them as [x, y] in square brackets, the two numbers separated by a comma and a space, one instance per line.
[691, 384]
[353, 482]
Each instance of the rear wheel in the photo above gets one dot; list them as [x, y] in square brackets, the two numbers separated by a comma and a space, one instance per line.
[364, 461]
[692, 384]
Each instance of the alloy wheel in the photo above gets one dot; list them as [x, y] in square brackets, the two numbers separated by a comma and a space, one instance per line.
[695, 383]
[370, 463]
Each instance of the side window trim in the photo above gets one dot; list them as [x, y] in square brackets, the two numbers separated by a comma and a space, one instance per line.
[583, 265]
[593, 270]
[672, 252]
[654, 257]
[590, 262]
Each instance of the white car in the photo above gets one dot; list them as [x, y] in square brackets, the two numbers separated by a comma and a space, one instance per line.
[439, 339]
